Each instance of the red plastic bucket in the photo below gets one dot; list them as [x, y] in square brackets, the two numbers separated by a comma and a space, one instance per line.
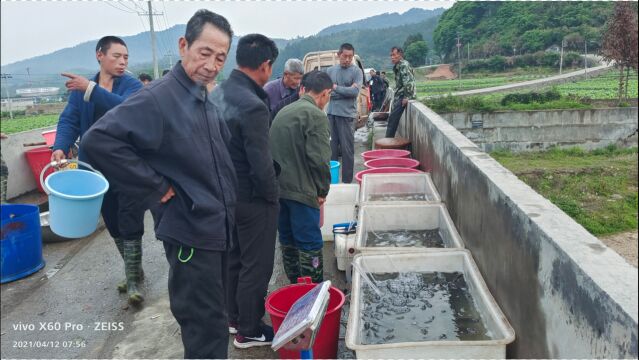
[386, 170]
[49, 137]
[38, 158]
[279, 302]
[392, 162]
[384, 153]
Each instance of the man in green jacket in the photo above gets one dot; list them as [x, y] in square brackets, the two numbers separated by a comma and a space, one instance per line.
[300, 144]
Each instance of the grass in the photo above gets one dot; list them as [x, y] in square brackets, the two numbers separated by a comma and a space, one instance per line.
[25, 123]
[598, 189]
[492, 102]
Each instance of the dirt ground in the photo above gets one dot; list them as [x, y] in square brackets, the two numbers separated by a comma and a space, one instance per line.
[625, 244]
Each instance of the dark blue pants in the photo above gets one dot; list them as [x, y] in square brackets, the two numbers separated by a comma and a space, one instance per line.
[394, 117]
[298, 226]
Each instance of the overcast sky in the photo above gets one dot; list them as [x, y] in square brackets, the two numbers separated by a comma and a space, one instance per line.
[31, 28]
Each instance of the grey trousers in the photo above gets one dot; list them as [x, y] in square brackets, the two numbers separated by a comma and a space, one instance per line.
[342, 139]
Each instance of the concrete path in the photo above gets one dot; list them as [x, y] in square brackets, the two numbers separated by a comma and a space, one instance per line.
[531, 83]
[71, 308]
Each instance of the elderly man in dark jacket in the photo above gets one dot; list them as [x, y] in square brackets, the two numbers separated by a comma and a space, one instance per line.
[244, 108]
[166, 148]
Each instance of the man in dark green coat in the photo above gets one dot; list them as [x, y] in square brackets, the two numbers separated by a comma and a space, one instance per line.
[300, 144]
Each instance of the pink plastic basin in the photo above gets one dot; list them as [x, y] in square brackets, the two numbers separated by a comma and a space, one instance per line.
[49, 137]
[384, 153]
[392, 162]
[385, 170]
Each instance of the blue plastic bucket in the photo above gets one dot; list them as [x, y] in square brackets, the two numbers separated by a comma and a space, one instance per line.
[21, 242]
[334, 172]
[75, 199]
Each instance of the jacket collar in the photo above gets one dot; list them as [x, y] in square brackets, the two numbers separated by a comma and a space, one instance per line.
[244, 79]
[309, 99]
[198, 91]
[116, 80]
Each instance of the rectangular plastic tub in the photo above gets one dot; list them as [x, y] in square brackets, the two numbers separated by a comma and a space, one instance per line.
[340, 207]
[437, 261]
[394, 186]
[419, 216]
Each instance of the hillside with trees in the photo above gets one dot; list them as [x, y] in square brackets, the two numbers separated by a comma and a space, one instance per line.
[519, 27]
[372, 45]
[384, 21]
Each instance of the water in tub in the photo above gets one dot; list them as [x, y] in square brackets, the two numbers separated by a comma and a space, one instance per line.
[433, 306]
[405, 238]
[398, 197]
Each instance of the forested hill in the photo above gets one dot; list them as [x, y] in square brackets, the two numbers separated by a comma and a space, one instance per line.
[498, 27]
[372, 45]
[384, 21]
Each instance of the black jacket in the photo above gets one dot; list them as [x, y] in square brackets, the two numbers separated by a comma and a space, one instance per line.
[168, 133]
[244, 107]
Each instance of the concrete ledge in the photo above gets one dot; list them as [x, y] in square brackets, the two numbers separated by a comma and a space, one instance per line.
[20, 179]
[566, 294]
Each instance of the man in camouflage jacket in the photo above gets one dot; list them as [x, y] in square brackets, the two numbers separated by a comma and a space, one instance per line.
[404, 89]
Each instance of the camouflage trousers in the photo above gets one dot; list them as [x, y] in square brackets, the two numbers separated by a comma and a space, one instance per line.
[303, 263]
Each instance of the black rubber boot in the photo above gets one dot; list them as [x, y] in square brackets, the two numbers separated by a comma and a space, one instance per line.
[291, 260]
[133, 270]
[312, 264]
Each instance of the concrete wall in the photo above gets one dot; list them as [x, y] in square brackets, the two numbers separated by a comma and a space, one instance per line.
[565, 293]
[20, 177]
[535, 130]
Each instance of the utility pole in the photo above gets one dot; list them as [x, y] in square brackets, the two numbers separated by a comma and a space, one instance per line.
[156, 71]
[585, 56]
[6, 88]
[561, 56]
[468, 45]
[459, 60]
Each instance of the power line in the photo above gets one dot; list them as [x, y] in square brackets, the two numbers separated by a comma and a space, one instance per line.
[108, 2]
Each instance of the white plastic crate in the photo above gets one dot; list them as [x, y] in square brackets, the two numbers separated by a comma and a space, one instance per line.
[419, 216]
[412, 187]
[340, 207]
[494, 320]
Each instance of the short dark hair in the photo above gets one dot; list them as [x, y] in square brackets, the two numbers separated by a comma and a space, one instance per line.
[202, 17]
[346, 46]
[255, 49]
[399, 50]
[316, 81]
[104, 44]
[145, 77]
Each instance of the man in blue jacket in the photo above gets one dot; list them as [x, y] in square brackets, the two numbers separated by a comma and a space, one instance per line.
[244, 108]
[88, 102]
[165, 148]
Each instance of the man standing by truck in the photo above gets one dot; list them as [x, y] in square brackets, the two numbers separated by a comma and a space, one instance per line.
[404, 89]
[287, 85]
[342, 109]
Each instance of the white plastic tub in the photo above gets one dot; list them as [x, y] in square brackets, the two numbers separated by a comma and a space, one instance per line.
[420, 216]
[393, 186]
[449, 261]
[340, 207]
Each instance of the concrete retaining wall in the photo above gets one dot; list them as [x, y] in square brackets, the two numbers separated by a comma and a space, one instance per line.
[535, 130]
[566, 294]
[20, 177]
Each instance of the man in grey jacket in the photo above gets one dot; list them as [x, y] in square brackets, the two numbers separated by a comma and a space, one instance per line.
[342, 109]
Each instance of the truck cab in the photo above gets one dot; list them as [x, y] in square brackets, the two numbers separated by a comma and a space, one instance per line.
[322, 60]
